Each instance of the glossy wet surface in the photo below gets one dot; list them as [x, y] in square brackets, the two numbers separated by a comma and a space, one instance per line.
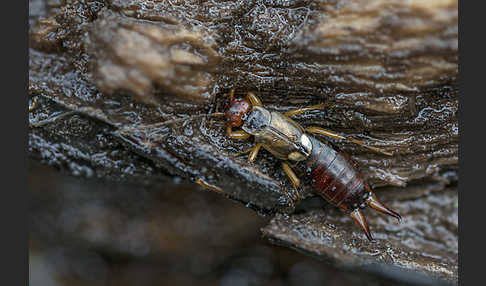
[122, 89]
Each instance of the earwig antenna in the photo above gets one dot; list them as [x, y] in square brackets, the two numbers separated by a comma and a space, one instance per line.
[215, 114]
[169, 122]
[374, 203]
[231, 94]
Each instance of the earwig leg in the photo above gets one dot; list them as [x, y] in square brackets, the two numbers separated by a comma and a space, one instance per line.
[292, 176]
[33, 104]
[293, 112]
[208, 186]
[360, 219]
[216, 114]
[238, 134]
[294, 179]
[254, 152]
[243, 152]
[374, 203]
[232, 93]
[332, 134]
[255, 101]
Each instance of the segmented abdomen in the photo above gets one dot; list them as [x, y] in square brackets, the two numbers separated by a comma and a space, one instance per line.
[334, 176]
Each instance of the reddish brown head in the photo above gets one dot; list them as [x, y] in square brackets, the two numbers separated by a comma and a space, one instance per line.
[235, 110]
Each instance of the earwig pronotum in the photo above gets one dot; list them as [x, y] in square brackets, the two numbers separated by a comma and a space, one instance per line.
[330, 170]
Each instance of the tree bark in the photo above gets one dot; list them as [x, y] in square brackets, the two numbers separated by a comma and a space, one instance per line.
[122, 90]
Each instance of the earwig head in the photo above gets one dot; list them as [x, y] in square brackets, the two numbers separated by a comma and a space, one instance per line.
[235, 111]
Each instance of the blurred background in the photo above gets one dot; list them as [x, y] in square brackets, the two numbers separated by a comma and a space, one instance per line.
[93, 232]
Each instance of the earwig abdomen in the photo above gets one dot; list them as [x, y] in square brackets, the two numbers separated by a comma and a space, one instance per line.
[335, 178]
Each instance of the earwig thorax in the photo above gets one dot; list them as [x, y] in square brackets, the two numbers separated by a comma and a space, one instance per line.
[256, 120]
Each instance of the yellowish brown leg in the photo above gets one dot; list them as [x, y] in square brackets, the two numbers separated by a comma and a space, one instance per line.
[243, 152]
[209, 186]
[290, 173]
[255, 101]
[33, 105]
[295, 181]
[305, 109]
[216, 114]
[238, 134]
[254, 152]
[332, 134]
[232, 93]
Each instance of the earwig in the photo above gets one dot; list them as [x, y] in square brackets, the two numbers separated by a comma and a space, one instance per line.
[332, 173]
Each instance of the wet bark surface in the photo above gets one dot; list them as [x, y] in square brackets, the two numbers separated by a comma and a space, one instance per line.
[121, 90]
